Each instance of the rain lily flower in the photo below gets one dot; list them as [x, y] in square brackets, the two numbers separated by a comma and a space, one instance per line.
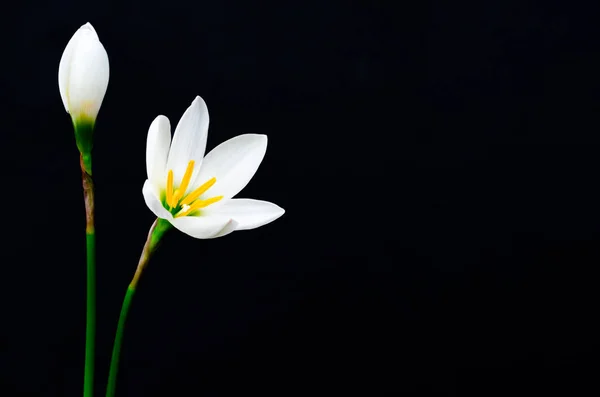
[82, 80]
[83, 75]
[195, 193]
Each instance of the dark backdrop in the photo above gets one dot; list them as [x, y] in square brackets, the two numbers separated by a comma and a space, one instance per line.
[438, 164]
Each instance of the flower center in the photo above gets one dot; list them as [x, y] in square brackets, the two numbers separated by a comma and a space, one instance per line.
[180, 204]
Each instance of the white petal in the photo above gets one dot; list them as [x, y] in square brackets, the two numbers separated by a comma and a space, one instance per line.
[151, 196]
[248, 213]
[64, 67]
[189, 140]
[229, 228]
[83, 73]
[157, 150]
[204, 227]
[233, 163]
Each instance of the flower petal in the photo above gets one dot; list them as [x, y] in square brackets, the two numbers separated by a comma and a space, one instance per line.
[64, 67]
[233, 163]
[152, 199]
[157, 150]
[189, 140]
[83, 73]
[248, 213]
[229, 228]
[205, 227]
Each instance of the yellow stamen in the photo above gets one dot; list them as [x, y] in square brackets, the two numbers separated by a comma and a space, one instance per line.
[196, 193]
[185, 181]
[170, 188]
[199, 204]
[176, 197]
[205, 203]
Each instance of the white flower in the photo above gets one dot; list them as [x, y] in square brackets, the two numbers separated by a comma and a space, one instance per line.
[194, 193]
[83, 75]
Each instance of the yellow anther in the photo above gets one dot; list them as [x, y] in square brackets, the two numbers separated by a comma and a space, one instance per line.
[205, 203]
[196, 193]
[185, 181]
[199, 204]
[170, 188]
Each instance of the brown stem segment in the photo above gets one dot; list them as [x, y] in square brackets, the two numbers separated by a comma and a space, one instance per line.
[144, 258]
[88, 196]
[157, 230]
[90, 238]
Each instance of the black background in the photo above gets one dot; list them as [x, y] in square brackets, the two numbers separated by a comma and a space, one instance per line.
[438, 164]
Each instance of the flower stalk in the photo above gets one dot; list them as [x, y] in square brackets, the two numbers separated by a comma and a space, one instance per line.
[90, 236]
[157, 230]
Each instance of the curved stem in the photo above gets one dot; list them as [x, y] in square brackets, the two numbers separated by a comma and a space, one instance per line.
[159, 227]
[114, 362]
[90, 239]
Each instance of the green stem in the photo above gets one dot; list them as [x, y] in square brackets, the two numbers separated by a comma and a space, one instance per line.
[114, 363]
[158, 229]
[90, 237]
